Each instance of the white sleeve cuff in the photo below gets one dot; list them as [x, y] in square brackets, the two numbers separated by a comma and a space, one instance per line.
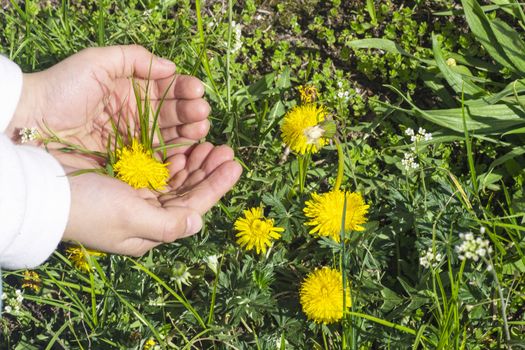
[34, 205]
[10, 89]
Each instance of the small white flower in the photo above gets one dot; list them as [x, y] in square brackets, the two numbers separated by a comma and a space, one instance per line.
[428, 136]
[4, 296]
[409, 132]
[8, 309]
[237, 41]
[28, 134]
[474, 248]
[429, 259]
[409, 162]
[421, 131]
[339, 84]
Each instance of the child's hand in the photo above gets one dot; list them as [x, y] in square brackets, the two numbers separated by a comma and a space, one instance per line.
[108, 215]
[79, 96]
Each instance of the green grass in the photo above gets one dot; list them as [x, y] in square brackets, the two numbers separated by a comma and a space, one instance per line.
[470, 175]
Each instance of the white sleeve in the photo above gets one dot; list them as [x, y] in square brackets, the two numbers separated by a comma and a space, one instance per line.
[34, 191]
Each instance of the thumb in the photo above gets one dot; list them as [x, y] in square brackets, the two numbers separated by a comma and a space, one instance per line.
[123, 61]
[165, 224]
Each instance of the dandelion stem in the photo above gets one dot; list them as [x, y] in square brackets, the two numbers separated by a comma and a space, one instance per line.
[342, 254]
[304, 162]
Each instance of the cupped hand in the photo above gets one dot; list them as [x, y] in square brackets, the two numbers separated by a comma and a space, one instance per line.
[108, 215]
[78, 97]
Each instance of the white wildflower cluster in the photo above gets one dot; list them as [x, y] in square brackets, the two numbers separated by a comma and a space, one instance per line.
[237, 40]
[422, 134]
[409, 162]
[28, 134]
[429, 259]
[341, 93]
[472, 247]
[12, 305]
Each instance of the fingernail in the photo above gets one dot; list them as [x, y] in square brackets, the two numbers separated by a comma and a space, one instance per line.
[193, 224]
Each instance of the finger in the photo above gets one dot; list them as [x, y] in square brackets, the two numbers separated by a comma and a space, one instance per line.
[177, 112]
[181, 87]
[164, 225]
[137, 246]
[123, 61]
[176, 163]
[193, 131]
[204, 196]
[195, 158]
[217, 156]
[179, 145]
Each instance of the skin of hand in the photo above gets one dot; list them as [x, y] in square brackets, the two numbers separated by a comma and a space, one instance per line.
[77, 98]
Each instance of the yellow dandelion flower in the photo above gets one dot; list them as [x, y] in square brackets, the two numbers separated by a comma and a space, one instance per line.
[255, 231]
[321, 295]
[137, 167]
[302, 129]
[325, 212]
[80, 256]
[308, 93]
[149, 344]
[31, 281]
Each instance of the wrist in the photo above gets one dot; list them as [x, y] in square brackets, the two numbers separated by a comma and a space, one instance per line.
[28, 108]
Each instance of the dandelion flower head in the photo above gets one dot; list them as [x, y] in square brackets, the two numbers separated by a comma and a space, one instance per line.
[325, 213]
[302, 129]
[80, 257]
[256, 231]
[137, 167]
[308, 93]
[321, 296]
[32, 281]
[149, 344]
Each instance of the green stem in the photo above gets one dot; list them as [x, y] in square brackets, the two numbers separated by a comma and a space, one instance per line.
[304, 162]
[228, 54]
[468, 145]
[342, 266]
[214, 293]
[340, 165]
[205, 61]
[503, 303]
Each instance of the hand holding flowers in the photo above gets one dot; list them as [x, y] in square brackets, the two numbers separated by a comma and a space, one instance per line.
[81, 100]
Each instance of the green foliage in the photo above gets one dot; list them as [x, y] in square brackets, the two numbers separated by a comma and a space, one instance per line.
[381, 68]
